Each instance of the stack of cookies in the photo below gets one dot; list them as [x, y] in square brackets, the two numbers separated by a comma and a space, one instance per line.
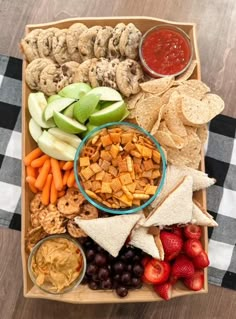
[99, 56]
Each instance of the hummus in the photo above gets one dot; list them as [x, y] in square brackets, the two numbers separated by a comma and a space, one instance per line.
[57, 263]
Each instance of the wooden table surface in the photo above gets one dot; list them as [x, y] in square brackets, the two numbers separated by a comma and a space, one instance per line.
[216, 25]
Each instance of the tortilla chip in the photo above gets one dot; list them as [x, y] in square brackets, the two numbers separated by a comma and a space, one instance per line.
[171, 117]
[147, 112]
[169, 139]
[202, 133]
[158, 121]
[193, 112]
[215, 105]
[133, 100]
[193, 88]
[157, 86]
[187, 74]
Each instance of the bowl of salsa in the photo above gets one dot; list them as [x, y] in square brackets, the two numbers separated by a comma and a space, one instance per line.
[165, 50]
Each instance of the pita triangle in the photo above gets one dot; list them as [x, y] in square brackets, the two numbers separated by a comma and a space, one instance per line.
[141, 239]
[110, 232]
[176, 208]
[201, 217]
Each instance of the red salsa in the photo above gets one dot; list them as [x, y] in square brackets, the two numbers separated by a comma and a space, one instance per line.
[166, 51]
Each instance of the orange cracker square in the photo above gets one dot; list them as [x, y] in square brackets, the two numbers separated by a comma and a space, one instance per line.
[106, 188]
[116, 184]
[95, 168]
[106, 140]
[126, 179]
[87, 173]
[84, 161]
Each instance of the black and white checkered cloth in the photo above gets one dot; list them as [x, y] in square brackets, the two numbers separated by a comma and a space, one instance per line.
[220, 163]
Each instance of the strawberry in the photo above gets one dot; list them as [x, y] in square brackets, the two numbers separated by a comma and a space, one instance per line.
[164, 290]
[156, 271]
[172, 244]
[201, 260]
[182, 268]
[192, 231]
[192, 247]
[177, 231]
[196, 281]
[144, 279]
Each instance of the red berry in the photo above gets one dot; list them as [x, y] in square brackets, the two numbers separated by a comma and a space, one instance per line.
[177, 231]
[201, 260]
[192, 247]
[164, 290]
[144, 279]
[195, 282]
[172, 244]
[182, 267]
[192, 231]
[157, 271]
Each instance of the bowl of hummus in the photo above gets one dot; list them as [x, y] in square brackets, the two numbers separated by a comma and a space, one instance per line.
[57, 264]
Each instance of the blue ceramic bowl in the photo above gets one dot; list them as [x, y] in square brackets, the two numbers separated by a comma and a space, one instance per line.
[99, 205]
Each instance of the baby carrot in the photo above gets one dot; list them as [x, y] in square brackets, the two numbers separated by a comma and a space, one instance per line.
[53, 193]
[30, 180]
[71, 179]
[62, 163]
[30, 171]
[33, 189]
[61, 193]
[65, 177]
[32, 156]
[41, 179]
[68, 165]
[46, 190]
[38, 162]
[56, 172]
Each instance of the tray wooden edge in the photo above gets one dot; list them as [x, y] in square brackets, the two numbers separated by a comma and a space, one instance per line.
[30, 293]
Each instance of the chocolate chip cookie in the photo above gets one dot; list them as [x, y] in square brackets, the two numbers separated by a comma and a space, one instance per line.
[67, 75]
[29, 45]
[33, 72]
[45, 43]
[101, 42]
[72, 39]
[59, 47]
[86, 42]
[49, 79]
[129, 41]
[82, 73]
[113, 44]
[128, 76]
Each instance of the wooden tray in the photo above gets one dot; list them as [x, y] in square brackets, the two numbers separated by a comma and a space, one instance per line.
[83, 294]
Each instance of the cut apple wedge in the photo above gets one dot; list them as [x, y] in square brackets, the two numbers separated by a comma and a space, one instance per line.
[34, 129]
[67, 124]
[112, 113]
[56, 148]
[75, 90]
[36, 105]
[106, 93]
[71, 139]
[85, 107]
[57, 105]
[53, 98]
[69, 111]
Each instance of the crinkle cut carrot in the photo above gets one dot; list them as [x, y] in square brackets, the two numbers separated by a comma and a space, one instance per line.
[53, 193]
[38, 162]
[32, 156]
[71, 179]
[41, 179]
[56, 172]
[46, 190]
[68, 166]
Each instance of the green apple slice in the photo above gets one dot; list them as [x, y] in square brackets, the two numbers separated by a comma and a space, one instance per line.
[67, 124]
[56, 148]
[34, 129]
[106, 93]
[75, 90]
[36, 105]
[53, 98]
[71, 139]
[85, 107]
[125, 115]
[69, 111]
[57, 105]
[112, 113]
[102, 104]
